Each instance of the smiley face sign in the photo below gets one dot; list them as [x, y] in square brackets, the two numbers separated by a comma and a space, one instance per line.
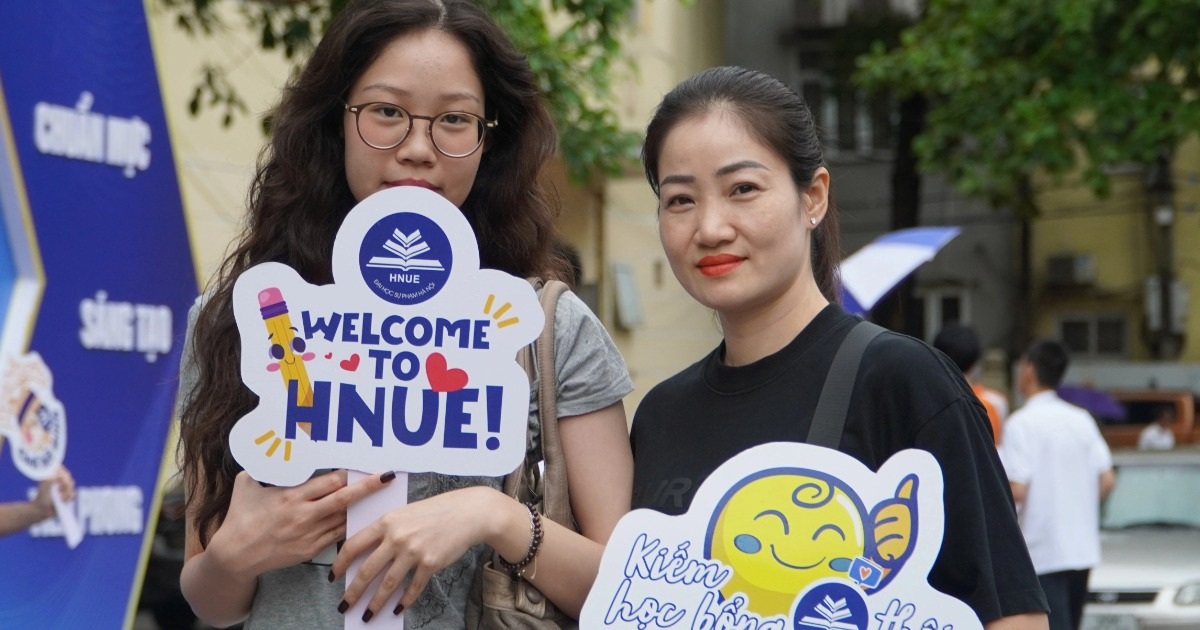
[769, 544]
[784, 530]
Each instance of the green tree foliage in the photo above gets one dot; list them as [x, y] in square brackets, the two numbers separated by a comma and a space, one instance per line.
[1023, 86]
[573, 47]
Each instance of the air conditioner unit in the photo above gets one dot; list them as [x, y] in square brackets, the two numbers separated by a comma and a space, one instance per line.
[1070, 270]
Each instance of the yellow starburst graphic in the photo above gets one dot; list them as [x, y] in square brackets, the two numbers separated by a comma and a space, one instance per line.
[275, 442]
[487, 310]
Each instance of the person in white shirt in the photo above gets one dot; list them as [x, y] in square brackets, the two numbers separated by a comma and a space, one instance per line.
[1059, 468]
[1160, 434]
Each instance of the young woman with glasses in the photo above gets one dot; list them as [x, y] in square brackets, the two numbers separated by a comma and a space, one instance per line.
[398, 93]
[748, 226]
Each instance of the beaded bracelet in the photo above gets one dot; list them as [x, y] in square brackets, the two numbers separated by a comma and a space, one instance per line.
[535, 541]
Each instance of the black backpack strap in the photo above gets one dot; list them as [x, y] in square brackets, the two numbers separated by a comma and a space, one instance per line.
[830, 416]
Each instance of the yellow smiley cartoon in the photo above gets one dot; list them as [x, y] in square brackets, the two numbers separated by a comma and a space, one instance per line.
[781, 530]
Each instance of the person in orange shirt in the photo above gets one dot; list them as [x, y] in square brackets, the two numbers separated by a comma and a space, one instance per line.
[961, 344]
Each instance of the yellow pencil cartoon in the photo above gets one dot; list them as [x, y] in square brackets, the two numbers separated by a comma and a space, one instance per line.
[287, 350]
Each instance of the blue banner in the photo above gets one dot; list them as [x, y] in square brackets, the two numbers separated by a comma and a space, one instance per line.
[96, 276]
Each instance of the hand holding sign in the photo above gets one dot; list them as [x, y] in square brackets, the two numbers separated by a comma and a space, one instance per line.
[419, 538]
[34, 423]
[271, 527]
[62, 495]
[407, 361]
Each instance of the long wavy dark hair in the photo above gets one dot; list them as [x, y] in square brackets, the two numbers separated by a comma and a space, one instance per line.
[778, 118]
[299, 197]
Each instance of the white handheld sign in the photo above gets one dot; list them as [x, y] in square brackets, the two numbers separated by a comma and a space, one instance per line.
[406, 362]
[785, 536]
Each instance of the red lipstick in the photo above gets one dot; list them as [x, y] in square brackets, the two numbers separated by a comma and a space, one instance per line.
[719, 265]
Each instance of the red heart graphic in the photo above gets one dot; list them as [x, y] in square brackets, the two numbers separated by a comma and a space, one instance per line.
[863, 572]
[442, 379]
[328, 355]
[350, 364]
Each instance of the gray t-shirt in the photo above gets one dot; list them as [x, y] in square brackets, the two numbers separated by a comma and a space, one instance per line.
[591, 376]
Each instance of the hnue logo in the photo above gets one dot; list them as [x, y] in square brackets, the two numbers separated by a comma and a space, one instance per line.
[405, 258]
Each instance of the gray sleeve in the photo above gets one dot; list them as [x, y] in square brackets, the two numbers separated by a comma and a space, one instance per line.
[187, 363]
[591, 373]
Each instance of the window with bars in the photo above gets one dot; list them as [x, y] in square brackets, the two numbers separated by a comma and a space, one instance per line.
[1095, 334]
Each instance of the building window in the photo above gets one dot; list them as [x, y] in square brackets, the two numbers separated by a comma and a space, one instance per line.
[943, 306]
[1094, 334]
[850, 122]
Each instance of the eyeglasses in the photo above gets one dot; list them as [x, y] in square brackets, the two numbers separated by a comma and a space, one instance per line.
[385, 126]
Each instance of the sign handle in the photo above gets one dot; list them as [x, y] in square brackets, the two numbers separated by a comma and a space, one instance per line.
[358, 517]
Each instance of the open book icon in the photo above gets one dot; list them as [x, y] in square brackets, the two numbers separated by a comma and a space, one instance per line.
[406, 248]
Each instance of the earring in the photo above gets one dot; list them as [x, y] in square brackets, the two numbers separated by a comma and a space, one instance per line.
[812, 220]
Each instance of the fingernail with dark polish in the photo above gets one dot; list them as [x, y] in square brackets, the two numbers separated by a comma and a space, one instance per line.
[399, 609]
[367, 615]
[387, 476]
[331, 578]
[343, 606]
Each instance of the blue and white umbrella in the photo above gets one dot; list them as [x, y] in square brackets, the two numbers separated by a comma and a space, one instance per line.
[871, 272]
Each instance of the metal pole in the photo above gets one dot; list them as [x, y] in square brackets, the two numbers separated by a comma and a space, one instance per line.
[1167, 341]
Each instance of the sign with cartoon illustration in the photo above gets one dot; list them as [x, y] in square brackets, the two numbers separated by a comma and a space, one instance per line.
[31, 418]
[785, 536]
[34, 423]
[407, 361]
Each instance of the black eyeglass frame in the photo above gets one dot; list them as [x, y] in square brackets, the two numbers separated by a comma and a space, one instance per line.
[486, 125]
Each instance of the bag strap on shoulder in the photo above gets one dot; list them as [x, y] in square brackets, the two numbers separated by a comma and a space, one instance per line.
[830, 416]
[558, 501]
[538, 361]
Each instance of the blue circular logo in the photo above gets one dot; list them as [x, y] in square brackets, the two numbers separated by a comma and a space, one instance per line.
[405, 258]
[831, 605]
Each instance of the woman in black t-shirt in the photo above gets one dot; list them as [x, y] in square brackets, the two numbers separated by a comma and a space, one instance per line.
[747, 224]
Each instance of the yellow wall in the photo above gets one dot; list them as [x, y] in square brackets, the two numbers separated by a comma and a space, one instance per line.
[672, 42]
[215, 163]
[615, 222]
[1186, 175]
[1118, 232]
[1114, 230]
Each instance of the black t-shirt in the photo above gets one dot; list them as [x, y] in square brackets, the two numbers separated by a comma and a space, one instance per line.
[907, 396]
